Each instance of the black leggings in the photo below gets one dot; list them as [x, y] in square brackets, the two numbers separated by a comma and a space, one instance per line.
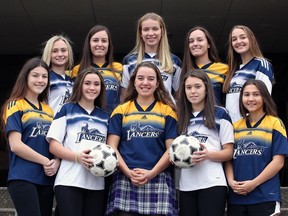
[204, 202]
[74, 201]
[31, 199]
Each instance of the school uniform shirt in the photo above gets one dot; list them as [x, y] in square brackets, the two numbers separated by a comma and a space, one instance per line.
[207, 173]
[256, 68]
[254, 148]
[171, 80]
[143, 132]
[78, 130]
[33, 124]
[217, 73]
[60, 90]
[112, 82]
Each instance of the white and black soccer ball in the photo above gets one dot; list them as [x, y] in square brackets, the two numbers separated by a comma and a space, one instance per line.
[182, 149]
[104, 160]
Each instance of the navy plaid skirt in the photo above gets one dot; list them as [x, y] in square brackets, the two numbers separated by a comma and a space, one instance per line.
[157, 197]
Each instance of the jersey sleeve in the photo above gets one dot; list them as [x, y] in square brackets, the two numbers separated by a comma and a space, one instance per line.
[226, 131]
[279, 140]
[57, 129]
[176, 73]
[13, 117]
[265, 73]
[115, 122]
[74, 72]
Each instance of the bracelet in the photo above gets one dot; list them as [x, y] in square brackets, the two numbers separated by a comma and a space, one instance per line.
[77, 157]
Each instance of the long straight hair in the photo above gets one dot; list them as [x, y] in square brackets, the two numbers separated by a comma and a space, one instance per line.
[189, 61]
[77, 87]
[160, 93]
[234, 59]
[269, 106]
[163, 52]
[184, 106]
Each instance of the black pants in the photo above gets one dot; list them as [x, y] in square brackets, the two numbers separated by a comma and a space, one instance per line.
[204, 202]
[31, 199]
[74, 201]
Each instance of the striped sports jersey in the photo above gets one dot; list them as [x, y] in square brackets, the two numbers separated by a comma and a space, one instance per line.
[217, 72]
[170, 80]
[60, 90]
[208, 173]
[142, 132]
[78, 130]
[112, 82]
[257, 68]
[33, 123]
[254, 148]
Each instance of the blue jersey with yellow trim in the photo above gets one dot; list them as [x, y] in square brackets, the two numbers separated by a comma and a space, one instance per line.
[254, 149]
[78, 130]
[217, 72]
[257, 68]
[170, 80]
[60, 90]
[142, 132]
[33, 124]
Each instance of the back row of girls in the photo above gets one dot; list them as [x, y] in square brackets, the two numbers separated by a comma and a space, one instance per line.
[145, 97]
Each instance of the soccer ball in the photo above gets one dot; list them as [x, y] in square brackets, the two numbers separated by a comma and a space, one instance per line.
[104, 160]
[181, 150]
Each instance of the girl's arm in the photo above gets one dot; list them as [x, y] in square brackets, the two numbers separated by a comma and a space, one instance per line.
[22, 150]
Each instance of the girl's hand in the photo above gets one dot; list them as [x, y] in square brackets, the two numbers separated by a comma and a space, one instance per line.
[85, 159]
[200, 156]
[51, 167]
[140, 177]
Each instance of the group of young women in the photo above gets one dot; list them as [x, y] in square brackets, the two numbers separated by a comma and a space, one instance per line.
[159, 101]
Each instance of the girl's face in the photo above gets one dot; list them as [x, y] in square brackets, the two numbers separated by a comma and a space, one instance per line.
[240, 41]
[195, 91]
[59, 53]
[37, 81]
[151, 33]
[252, 99]
[91, 88]
[99, 44]
[198, 44]
[146, 82]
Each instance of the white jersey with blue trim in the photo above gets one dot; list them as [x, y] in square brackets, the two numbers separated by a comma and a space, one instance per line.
[60, 90]
[171, 80]
[257, 68]
[77, 130]
[208, 173]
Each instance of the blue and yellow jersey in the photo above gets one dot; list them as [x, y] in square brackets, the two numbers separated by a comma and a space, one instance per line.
[142, 132]
[60, 90]
[254, 148]
[112, 82]
[217, 73]
[33, 123]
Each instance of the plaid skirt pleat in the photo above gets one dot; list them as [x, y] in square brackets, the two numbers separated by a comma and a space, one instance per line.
[157, 197]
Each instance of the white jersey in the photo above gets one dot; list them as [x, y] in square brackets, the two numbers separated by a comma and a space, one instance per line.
[257, 68]
[208, 173]
[76, 130]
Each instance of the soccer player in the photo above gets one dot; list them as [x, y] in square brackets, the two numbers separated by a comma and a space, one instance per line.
[58, 55]
[80, 124]
[259, 152]
[203, 188]
[141, 130]
[98, 52]
[27, 119]
[200, 52]
[245, 62]
[152, 46]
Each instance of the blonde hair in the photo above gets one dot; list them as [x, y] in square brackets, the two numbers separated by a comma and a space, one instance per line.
[46, 56]
[163, 52]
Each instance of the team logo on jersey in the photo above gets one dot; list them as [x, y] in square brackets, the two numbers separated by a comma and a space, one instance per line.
[248, 148]
[90, 134]
[147, 131]
[39, 130]
[164, 77]
[110, 85]
[65, 97]
[201, 137]
[235, 88]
